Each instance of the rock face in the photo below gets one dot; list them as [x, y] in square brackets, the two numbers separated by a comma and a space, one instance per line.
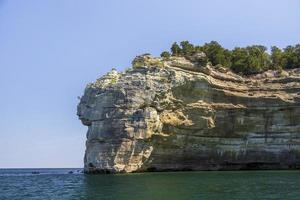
[176, 115]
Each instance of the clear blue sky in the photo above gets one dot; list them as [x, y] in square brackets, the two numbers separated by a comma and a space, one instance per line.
[50, 49]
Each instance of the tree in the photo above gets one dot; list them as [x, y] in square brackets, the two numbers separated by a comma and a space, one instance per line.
[297, 55]
[175, 49]
[247, 60]
[250, 60]
[239, 60]
[217, 54]
[259, 54]
[291, 57]
[165, 54]
[187, 48]
[276, 58]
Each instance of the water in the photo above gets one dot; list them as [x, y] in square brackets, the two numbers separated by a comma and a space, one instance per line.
[59, 184]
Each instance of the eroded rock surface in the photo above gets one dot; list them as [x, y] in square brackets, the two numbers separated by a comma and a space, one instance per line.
[176, 115]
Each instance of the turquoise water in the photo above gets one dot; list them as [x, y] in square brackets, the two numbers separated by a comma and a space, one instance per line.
[59, 184]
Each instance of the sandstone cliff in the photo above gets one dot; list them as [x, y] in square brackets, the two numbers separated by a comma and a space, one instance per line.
[177, 115]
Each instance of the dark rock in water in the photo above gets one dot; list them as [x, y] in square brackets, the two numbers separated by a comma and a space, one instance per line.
[70, 172]
[170, 114]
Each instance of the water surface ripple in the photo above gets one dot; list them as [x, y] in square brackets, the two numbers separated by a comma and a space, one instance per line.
[59, 184]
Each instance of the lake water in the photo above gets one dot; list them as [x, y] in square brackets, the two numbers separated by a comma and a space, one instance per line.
[59, 184]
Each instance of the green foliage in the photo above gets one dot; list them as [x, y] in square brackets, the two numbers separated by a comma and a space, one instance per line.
[291, 57]
[184, 49]
[250, 60]
[187, 48]
[217, 54]
[239, 58]
[244, 60]
[165, 54]
[276, 58]
[175, 49]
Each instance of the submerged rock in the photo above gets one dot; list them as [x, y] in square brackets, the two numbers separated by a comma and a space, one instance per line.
[177, 115]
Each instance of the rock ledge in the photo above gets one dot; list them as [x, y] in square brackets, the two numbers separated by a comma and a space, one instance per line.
[175, 114]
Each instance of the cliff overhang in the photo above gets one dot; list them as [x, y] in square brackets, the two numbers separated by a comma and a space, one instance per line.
[175, 114]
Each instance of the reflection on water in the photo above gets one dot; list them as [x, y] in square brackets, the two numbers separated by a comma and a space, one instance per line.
[195, 185]
[179, 185]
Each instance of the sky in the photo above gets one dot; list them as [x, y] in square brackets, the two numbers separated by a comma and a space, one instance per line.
[50, 50]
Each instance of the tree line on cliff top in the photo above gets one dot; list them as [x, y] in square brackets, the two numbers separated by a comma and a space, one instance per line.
[243, 60]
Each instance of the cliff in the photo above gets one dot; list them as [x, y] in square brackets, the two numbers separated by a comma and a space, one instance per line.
[174, 114]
